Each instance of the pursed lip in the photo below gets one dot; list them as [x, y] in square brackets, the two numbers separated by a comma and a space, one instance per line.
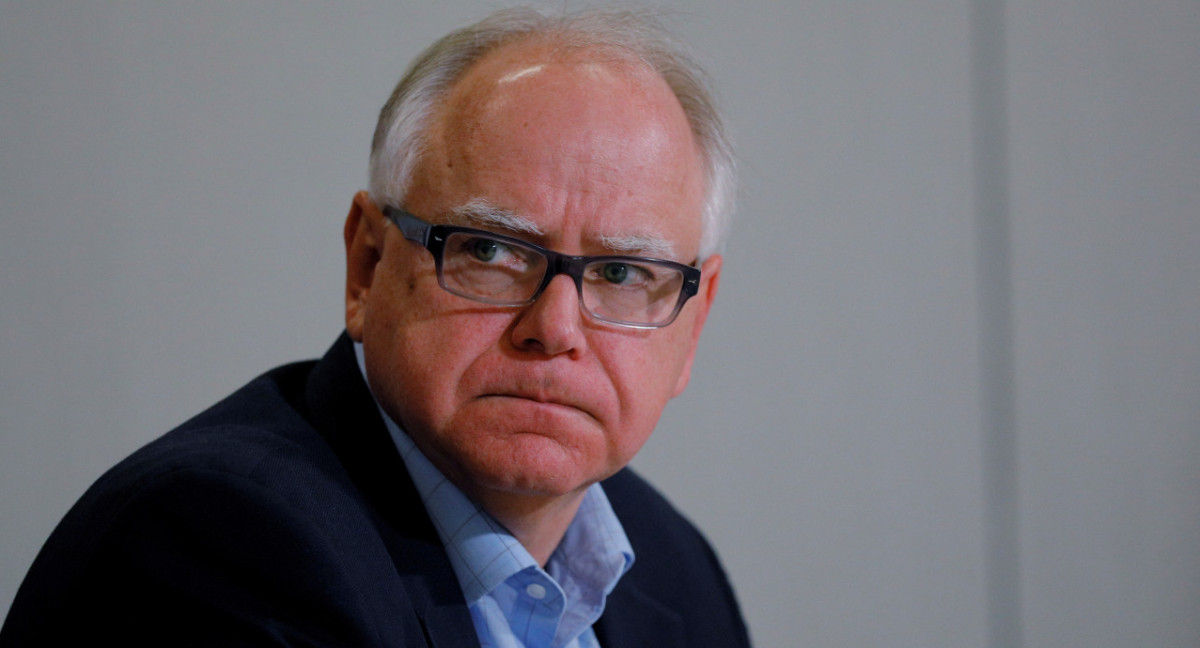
[544, 399]
[540, 385]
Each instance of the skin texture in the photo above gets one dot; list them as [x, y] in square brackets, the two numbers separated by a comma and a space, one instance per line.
[524, 408]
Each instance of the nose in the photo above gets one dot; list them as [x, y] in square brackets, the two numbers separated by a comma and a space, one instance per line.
[553, 324]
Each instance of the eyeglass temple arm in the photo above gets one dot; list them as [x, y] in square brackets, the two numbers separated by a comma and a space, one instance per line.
[413, 229]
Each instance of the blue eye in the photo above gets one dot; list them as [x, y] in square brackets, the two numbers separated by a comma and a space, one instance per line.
[484, 249]
[615, 272]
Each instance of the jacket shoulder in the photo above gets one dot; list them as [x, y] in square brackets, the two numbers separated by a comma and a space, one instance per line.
[240, 523]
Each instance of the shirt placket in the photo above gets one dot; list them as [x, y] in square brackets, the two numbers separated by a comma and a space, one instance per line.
[538, 605]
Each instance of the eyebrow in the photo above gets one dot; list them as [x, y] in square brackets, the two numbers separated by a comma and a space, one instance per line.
[482, 212]
[479, 211]
[639, 244]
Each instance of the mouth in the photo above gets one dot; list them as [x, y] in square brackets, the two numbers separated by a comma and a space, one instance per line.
[542, 401]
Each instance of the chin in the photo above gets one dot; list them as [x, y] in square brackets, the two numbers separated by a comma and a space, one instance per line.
[521, 446]
[529, 463]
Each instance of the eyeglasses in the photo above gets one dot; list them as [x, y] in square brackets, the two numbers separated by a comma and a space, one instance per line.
[496, 269]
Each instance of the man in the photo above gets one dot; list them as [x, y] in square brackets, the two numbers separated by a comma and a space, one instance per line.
[527, 280]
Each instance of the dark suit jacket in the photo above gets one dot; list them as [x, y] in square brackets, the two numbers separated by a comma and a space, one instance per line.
[284, 515]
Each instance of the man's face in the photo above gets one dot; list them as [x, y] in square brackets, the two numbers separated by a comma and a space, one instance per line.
[539, 400]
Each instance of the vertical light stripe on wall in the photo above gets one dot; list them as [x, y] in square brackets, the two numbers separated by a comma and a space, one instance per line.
[993, 248]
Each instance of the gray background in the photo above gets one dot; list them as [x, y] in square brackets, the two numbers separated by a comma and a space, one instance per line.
[950, 393]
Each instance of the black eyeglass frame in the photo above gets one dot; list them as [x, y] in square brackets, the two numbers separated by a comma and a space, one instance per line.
[433, 238]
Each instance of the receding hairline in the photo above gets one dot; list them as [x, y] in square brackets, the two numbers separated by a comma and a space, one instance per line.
[536, 50]
[612, 35]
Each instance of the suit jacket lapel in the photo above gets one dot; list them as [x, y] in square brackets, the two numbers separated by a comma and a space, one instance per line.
[634, 620]
[341, 408]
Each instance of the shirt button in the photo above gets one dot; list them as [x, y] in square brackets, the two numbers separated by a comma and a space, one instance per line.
[535, 591]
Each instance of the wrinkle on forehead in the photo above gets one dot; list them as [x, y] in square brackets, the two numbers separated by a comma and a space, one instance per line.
[583, 151]
[481, 212]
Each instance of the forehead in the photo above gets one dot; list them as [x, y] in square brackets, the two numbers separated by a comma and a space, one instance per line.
[585, 143]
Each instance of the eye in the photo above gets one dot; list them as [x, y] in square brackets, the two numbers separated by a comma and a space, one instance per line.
[615, 272]
[620, 273]
[484, 249]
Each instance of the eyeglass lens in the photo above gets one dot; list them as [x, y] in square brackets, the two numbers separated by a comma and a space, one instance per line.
[622, 290]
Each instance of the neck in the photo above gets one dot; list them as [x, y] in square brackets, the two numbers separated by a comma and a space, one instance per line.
[537, 522]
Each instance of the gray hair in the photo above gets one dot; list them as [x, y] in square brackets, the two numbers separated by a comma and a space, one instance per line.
[401, 134]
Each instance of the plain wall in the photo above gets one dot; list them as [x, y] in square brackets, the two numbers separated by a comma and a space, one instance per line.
[949, 394]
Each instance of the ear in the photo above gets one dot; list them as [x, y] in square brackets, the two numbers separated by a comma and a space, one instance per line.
[700, 305]
[363, 235]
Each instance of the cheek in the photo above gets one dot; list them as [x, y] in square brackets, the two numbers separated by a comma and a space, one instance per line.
[427, 358]
[645, 374]
[418, 342]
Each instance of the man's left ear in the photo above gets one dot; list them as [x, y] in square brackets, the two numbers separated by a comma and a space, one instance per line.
[363, 235]
[710, 278]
